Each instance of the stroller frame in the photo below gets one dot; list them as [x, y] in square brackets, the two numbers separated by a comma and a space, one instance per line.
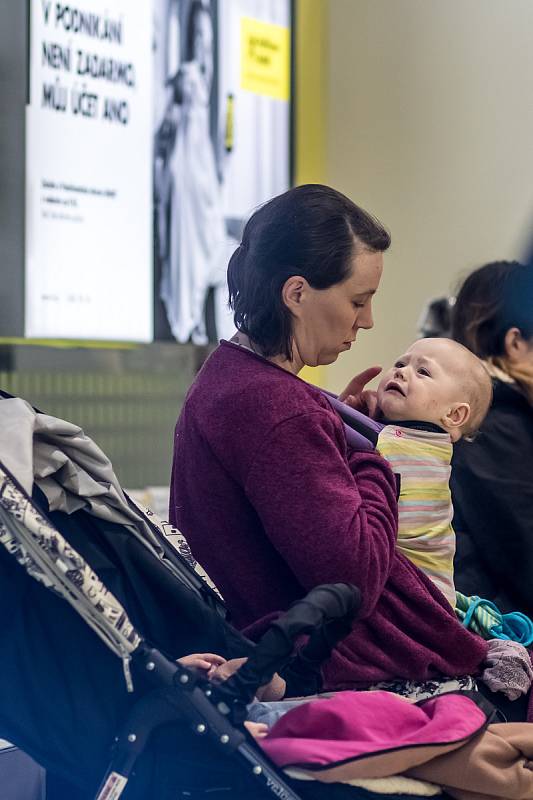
[215, 711]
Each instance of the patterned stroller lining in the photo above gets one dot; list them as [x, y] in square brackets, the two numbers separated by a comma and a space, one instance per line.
[48, 558]
[74, 474]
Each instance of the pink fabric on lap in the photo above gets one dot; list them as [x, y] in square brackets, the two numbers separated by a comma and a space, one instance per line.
[352, 725]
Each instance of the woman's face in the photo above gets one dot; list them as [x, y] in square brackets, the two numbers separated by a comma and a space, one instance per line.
[518, 351]
[528, 356]
[326, 321]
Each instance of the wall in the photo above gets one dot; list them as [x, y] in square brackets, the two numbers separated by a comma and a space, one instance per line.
[430, 126]
[311, 78]
[126, 398]
[310, 123]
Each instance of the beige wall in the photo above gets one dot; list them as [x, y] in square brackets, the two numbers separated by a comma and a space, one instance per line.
[430, 126]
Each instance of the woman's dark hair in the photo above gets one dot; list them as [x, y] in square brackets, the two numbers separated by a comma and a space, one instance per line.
[492, 299]
[311, 230]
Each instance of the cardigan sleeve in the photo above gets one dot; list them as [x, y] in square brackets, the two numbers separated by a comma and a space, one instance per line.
[331, 517]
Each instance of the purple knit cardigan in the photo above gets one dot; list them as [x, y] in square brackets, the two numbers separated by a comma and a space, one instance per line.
[273, 502]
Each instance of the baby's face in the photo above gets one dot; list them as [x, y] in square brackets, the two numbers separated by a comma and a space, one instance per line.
[422, 384]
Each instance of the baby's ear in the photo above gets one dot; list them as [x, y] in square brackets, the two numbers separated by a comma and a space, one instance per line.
[456, 418]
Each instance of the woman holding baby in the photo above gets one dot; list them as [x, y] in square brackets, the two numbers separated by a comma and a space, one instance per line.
[264, 485]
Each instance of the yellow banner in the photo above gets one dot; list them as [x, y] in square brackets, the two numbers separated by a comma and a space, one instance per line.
[314, 375]
[265, 58]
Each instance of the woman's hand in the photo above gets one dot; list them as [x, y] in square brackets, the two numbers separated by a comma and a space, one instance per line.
[275, 690]
[356, 396]
[224, 671]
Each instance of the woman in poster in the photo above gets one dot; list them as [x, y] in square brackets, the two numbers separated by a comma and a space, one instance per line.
[199, 247]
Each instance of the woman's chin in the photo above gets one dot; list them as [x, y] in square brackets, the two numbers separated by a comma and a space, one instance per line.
[324, 358]
[328, 358]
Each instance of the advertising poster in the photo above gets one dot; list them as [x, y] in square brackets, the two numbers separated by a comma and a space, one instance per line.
[89, 196]
[221, 147]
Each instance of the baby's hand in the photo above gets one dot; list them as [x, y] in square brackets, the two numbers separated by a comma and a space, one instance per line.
[258, 729]
[206, 661]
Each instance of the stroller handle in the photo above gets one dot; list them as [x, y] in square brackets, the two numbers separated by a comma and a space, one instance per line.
[326, 614]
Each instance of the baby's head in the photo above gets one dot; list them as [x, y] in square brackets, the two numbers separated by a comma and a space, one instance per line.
[439, 381]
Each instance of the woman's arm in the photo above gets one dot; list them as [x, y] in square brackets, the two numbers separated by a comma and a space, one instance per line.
[331, 518]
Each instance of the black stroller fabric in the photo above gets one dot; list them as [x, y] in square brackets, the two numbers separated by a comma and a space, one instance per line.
[163, 610]
[63, 693]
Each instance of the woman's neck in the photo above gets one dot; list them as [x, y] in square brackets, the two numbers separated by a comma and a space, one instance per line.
[293, 365]
[521, 375]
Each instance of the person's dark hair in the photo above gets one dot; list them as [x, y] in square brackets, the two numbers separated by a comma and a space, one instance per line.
[310, 230]
[492, 299]
[436, 318]
[197, 8]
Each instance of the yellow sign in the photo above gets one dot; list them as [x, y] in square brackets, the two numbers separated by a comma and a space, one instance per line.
[265, 58]
[314, 375]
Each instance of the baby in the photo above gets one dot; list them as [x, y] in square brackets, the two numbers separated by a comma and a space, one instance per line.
[433, 395]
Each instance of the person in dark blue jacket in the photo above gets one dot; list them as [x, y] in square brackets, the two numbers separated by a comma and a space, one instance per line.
[492, 476]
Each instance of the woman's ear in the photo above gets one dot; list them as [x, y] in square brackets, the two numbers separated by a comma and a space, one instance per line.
[455, 419]
[293, 293]
[516, 347]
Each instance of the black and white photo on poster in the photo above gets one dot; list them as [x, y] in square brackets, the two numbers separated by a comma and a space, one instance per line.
[219, 151]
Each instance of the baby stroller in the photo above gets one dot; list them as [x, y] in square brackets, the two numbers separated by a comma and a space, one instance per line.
[93, 618]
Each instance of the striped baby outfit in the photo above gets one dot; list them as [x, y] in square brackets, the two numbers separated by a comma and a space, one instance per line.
[425, 535]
